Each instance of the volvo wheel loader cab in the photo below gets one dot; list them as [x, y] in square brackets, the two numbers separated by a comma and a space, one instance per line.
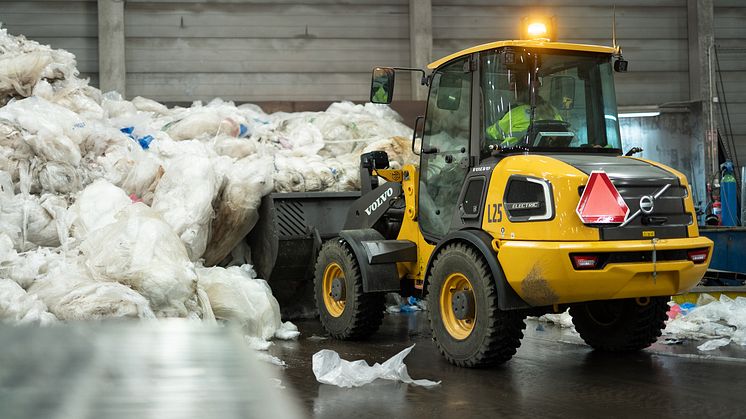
[522, 203]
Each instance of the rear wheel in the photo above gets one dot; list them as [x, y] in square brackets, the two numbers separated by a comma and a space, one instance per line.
[620, 325]
[468, 327]
[344, 310]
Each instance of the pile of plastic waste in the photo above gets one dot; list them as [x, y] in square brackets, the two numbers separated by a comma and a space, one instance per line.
[113, 208]
[720, 321]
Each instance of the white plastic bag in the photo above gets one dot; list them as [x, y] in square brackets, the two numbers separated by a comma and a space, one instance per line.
[236, 295]
[713, 344]
[96, 207]
[71, 294]
[329, 368]
[141, 250]
[18, 307]
[184, 199]
[238, 210]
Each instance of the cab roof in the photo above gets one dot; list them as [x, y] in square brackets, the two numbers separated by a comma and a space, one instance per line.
[525, 44]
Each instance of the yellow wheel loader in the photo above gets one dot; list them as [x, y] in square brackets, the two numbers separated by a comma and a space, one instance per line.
[522, 204]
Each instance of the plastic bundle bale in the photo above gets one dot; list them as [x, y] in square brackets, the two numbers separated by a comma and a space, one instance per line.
[20, 72]
[13, 148]
[287, 176]
[96, 207]
[74, 94]
[28, 266]
[237, 296]
[32, 220]
[399, 150]
[115, 105]
[302, 174]
[184, 199]
[59, 178]
[23, 63]
[71, 294]
[18, 307]
[141, 250]
[149, 105]
[125, 164]
[236, 148]
[197, 123]
[52, 131]
[238, 205]
[300, 135]
[346, 169]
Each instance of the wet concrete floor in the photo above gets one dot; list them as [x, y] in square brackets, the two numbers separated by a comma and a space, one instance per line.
[553, 375]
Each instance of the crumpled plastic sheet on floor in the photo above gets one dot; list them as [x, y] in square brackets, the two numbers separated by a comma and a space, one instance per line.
[329, 368]
[723, 321]
[109, 207]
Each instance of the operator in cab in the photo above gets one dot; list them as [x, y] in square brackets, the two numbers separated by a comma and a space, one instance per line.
[513, 126]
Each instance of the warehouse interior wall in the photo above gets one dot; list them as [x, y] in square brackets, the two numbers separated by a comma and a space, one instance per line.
[178, 51]
[249, 50]
[730, 40]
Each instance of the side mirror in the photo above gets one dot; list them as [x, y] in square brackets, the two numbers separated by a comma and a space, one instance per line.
[620, 65]
[382, 85]
[562, 92]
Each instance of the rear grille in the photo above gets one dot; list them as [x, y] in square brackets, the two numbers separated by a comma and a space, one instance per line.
[668, 220]
[291, 221]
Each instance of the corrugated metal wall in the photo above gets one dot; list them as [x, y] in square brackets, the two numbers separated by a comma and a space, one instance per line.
[251, 50]
[730, 38]
[258, 51]
[653, 36]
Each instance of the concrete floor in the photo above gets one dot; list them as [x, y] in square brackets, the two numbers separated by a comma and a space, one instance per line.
[185, 369]
[552, 375]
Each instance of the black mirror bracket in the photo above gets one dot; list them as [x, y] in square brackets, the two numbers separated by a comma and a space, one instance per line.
[424, 80]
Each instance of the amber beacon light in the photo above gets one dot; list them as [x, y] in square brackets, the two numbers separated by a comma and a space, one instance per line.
[538, 28]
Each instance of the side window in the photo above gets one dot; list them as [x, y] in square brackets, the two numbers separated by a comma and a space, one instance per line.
[445, 146]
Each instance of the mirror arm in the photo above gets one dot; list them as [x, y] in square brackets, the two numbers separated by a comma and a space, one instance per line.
[425, 80]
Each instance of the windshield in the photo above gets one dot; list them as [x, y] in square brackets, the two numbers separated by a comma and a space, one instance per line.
[548, 99]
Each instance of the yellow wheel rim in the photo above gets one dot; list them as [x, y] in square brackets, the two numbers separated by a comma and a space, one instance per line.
[334, 307]
[459, 329]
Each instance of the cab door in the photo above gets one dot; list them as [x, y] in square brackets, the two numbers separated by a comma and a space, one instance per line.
[445, 147]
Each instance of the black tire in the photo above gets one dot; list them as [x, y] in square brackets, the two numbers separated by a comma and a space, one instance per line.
[620, 325]
[362, 313]
[495, 334]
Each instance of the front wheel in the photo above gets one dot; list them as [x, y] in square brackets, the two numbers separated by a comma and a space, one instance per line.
[620, 325]
[468, 327]
[344, 310]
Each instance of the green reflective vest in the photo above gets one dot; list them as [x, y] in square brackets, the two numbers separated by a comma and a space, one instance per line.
[514, 124]
[381, 96]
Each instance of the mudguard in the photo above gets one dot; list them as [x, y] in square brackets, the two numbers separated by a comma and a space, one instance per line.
[507, 298]
[379, 277]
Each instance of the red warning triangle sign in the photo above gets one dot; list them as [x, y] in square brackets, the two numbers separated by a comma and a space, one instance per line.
[601, 202]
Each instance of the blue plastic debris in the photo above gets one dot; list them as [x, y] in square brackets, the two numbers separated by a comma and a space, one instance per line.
[243, 130]
[143, 141]
[687, 307]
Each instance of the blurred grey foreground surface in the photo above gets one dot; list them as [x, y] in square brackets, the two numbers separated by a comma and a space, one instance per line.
[164, 369]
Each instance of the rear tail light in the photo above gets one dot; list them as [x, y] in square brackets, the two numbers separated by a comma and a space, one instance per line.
[584, 261]
[698, 256]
